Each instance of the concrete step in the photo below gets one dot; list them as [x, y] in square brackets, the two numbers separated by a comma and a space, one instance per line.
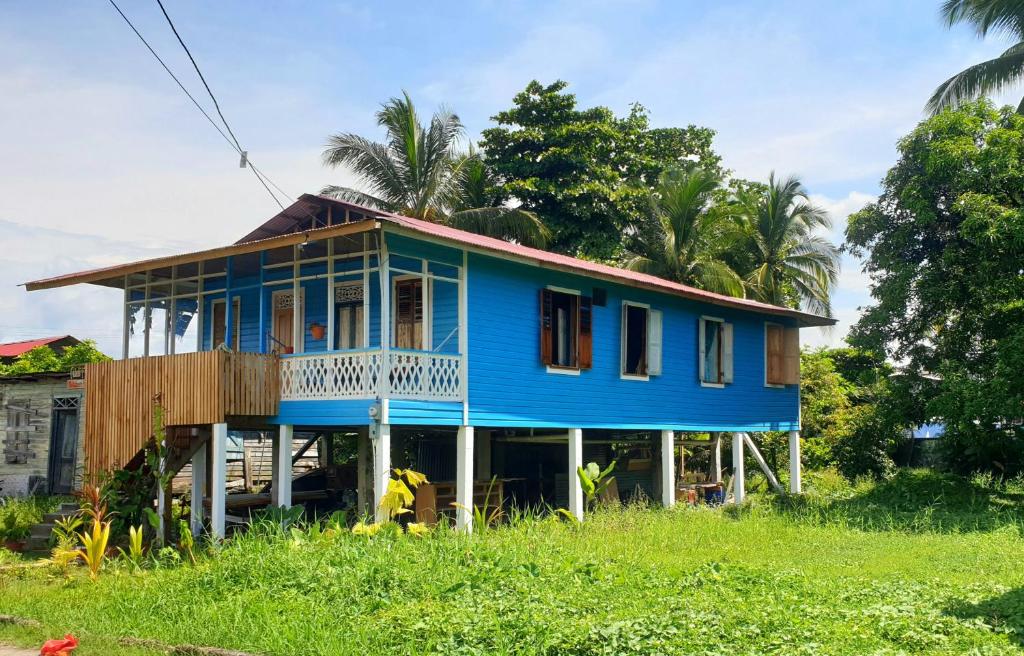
[41, 531]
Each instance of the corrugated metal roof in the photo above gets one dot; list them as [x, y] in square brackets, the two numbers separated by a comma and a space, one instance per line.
[14, 349]
[291, 220]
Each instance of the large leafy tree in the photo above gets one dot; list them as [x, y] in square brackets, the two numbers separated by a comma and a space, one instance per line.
[785, 259]
[418, 172]
[994, 75]
[693, 235]
[586, 172]
[944, 245]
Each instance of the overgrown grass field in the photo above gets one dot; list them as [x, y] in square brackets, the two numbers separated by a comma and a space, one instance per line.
[920, 564]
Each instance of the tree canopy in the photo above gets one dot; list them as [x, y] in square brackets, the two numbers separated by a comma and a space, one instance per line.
[944, 245]
[43, 359]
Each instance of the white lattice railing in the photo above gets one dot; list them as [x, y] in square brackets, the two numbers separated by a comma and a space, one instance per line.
[358, 375]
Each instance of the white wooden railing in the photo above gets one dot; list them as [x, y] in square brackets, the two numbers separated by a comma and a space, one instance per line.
[367, 374]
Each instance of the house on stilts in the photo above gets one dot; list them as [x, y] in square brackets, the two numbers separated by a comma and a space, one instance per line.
[465, 356]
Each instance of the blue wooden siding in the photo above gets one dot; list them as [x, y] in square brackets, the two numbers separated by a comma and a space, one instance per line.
[509, 386]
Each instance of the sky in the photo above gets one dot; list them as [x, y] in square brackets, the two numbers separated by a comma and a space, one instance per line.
[104, 160]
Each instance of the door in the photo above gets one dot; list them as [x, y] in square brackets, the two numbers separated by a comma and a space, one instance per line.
[63, 447]
[282, 328]
[408, 309]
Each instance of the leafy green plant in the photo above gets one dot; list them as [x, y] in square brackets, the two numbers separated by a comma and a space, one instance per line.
[594, 481]
[135, 552]
[186, 541]
[399, 497]
[487, 515]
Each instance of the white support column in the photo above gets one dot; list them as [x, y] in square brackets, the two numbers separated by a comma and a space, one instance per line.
[380, 437]
[668, 469]
[125, 335]
[363, 493]
[738, 473]
[218, 484]
[298, 307]
[198, 489]
[464, 479]
[274, 487]
[575, 461]
[794, 462]
[282, 474]
[716, 458]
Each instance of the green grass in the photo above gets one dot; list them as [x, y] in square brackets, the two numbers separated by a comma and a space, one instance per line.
[920, 564]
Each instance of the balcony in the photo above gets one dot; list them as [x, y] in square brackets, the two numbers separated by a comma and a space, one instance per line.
[373, 373]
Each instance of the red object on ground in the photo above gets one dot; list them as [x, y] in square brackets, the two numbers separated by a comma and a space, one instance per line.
[62, 647]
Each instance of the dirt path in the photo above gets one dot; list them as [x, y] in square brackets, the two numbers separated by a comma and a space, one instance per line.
[17, 651]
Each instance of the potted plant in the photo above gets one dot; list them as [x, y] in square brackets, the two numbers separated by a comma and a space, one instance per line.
[317, 330]
[14, 536]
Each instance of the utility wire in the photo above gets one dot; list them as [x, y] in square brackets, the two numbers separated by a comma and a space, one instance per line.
[230, 140]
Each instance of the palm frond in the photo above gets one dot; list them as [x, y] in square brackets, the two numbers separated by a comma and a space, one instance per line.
[982, 79]
[503, 223]
[347, 194]
[986, 15]
[716, 276]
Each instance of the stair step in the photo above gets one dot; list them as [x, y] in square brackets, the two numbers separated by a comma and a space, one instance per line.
[41, 531]
[68, 508]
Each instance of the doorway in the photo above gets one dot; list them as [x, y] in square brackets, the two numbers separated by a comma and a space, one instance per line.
[282, 327]
[63, 444]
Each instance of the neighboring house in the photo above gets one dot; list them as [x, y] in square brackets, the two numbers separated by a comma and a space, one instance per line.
[41, 421]
[10, 351]
[476, 356]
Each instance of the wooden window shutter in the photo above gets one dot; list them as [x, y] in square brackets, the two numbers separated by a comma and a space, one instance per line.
[545, 326]
[791, 356]
[774, 354]
[586, 338]
[727, 351]
[654, 343]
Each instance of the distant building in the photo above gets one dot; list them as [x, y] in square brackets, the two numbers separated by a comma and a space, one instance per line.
[10, 351]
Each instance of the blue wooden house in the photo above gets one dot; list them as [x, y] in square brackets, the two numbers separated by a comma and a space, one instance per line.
[512, 362]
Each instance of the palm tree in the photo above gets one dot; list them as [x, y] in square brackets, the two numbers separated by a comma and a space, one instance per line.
[691, 236]
[990, 76]
[417, 173]
[786, 261]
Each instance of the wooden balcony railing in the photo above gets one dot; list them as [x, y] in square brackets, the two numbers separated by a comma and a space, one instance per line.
[194, 389]
[369, 373]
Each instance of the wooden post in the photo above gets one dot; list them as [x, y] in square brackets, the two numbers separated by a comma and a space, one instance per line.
[198, 489]
[464, 479]
[738, 474]
[575, 462]
[282, 475]
[716, 458]
[768, 473]
[364, 494]
[794, 462]
[218, 488]
[668, 474]
[380, 437]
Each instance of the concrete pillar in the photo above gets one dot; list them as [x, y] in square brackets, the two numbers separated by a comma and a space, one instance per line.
[198, 489]
[575, 461]
[794, 462]
[364, 495]
[281, 476]
[738, 473]
[464, 479]
[668, 469]
[380, 437]
[218, 486]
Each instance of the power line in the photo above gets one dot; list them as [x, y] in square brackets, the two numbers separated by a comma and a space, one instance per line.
[234, 144]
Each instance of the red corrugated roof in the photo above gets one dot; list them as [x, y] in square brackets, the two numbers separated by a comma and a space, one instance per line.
[14, 349]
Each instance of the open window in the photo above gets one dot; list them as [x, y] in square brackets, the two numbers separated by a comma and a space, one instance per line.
[782, 355]
[715, 352]
[566, 341]
[641, 341]
[348, 319]
[219, 321]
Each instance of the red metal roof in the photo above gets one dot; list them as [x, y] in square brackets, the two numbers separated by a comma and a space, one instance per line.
[14, 349]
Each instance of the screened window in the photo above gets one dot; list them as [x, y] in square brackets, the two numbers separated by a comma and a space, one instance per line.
[566, 329]
[715, 351]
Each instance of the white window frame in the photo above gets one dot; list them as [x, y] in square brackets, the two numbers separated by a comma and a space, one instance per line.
[700, 352]
[557, 369]
[236, 325]
[622, 339]
[783, 327]
[337, 307]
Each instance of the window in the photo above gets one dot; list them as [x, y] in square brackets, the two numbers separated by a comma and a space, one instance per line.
[219, 321]
[715, 351]
[348, 324]
[565, 331]
[641, 341]
[781, 355]
[409, 313]
[774, 354]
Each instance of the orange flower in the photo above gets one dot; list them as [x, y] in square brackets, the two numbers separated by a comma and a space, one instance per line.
[59, 647]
